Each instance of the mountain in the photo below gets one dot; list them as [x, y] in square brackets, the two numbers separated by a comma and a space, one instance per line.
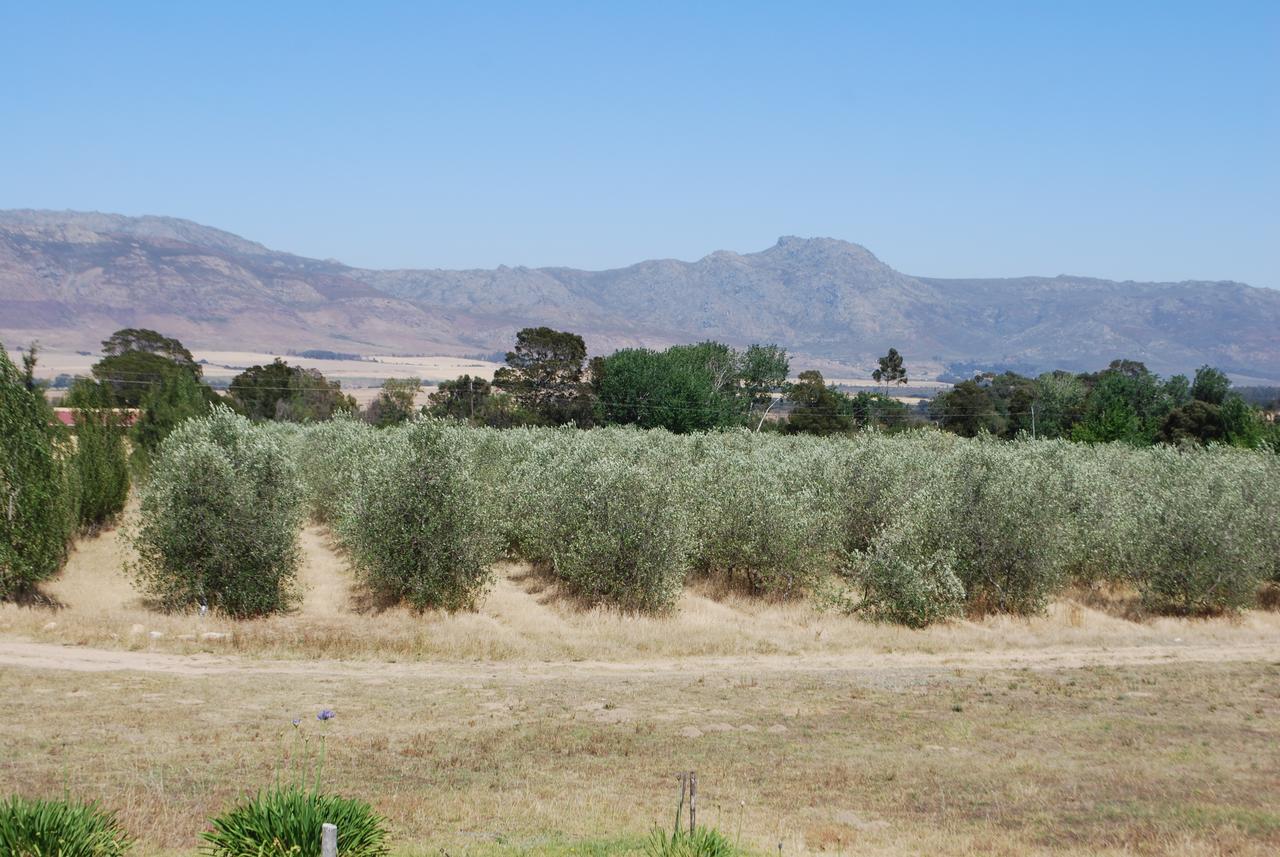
[70, 278]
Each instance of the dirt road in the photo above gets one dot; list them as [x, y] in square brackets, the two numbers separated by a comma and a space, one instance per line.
[45, 656]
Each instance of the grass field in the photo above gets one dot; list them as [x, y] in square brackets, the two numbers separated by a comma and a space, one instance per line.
[533, 726]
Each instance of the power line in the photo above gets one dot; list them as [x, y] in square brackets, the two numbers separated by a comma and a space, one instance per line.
[640, 405]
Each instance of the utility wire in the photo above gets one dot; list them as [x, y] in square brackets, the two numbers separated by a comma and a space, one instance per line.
[640, 405]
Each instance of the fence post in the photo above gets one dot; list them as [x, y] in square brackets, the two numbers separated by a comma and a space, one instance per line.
[693, 801]
[328, 840]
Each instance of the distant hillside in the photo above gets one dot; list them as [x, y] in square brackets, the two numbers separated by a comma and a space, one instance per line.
[70, 278]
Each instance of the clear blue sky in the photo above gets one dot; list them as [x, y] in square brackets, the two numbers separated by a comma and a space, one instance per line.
[1127, 140]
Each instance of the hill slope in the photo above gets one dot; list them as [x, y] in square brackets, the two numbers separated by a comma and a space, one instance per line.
[71, 278]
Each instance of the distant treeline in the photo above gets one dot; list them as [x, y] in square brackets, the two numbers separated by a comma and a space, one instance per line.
[548, 380]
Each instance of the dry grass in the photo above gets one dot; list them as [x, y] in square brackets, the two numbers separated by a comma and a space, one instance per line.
[534, 727]
[1179, 759]
[524, 618]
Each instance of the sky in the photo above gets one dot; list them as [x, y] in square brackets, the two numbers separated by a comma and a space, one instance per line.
[1127, 140]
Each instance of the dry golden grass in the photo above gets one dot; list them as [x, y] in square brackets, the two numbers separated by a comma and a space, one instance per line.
[532, 726]
[524, 618]
[1177, 759]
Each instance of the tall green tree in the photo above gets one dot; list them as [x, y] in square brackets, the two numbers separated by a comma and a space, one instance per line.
[279, 391]
[177, 397]
[891, 370]
[1128, 403]
[969, 409]
[101, 458]
[1210, 385]
[817, 408]
[37, 510]
[544, 372]
[763, 373]
[136, 359]
[684, 388]
[463, 398]
[395, 403]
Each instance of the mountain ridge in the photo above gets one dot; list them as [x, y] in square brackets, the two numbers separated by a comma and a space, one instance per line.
[70, 278]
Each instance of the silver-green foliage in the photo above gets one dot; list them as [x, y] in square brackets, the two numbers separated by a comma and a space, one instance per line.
[219, 519]
[1208, 527]
[332, 458]
[610, 516]
[920, 526]
[759, 511]
[417, 521]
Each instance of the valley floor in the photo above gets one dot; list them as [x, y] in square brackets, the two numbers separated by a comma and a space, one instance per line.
[535, 726]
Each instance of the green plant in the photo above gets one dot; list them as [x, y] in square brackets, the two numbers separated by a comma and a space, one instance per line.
[101, 459]
[702, 842]
[759, 517]
[1207, 534]
[286, 822]
[59, 828]
[695, 841]
[417, 523]
[617, 537]
[219, 519]
[37, 491]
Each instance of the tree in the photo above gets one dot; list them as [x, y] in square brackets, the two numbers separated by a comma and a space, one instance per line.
[36, 506]
[101, 458]
[763, 374]
[874, 410]
[817, 408]
[1059, 403]
[177, 397]
[1128, 403]
[545, 374]
[968, 409]
[891, 370]
[134, 360]
[279, 391]
[1196, 421]
[395, 403]
[219, 519]
[685, 388]
[465, 398]
[1210, 385]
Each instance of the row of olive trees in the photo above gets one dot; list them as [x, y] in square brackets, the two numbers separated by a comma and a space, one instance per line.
[53, 482]
[912, 528]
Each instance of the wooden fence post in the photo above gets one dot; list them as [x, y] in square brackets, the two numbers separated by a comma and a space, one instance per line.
[693, 801]
[328, 840]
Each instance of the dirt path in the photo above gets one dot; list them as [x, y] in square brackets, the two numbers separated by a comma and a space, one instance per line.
[325, 578]
[44, 656]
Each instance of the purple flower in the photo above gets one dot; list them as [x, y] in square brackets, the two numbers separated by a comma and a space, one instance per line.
[297, 721]
[327, 714]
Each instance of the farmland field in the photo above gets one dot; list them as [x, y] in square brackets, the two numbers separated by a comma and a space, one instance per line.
[536, 725]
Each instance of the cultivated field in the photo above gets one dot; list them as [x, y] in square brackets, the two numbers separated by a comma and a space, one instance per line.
[360, 378]
[533, 725]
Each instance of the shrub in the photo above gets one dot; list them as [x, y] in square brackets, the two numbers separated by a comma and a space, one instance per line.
[759, 517]
[1208, 525]
[37, 492]
[1006, 524]
[219, 519]
[331, 459]
[979, 523]
[617, 534]
[101, 459]
[417, 523]
[286, 822]
[908, 590]
[56, 828]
